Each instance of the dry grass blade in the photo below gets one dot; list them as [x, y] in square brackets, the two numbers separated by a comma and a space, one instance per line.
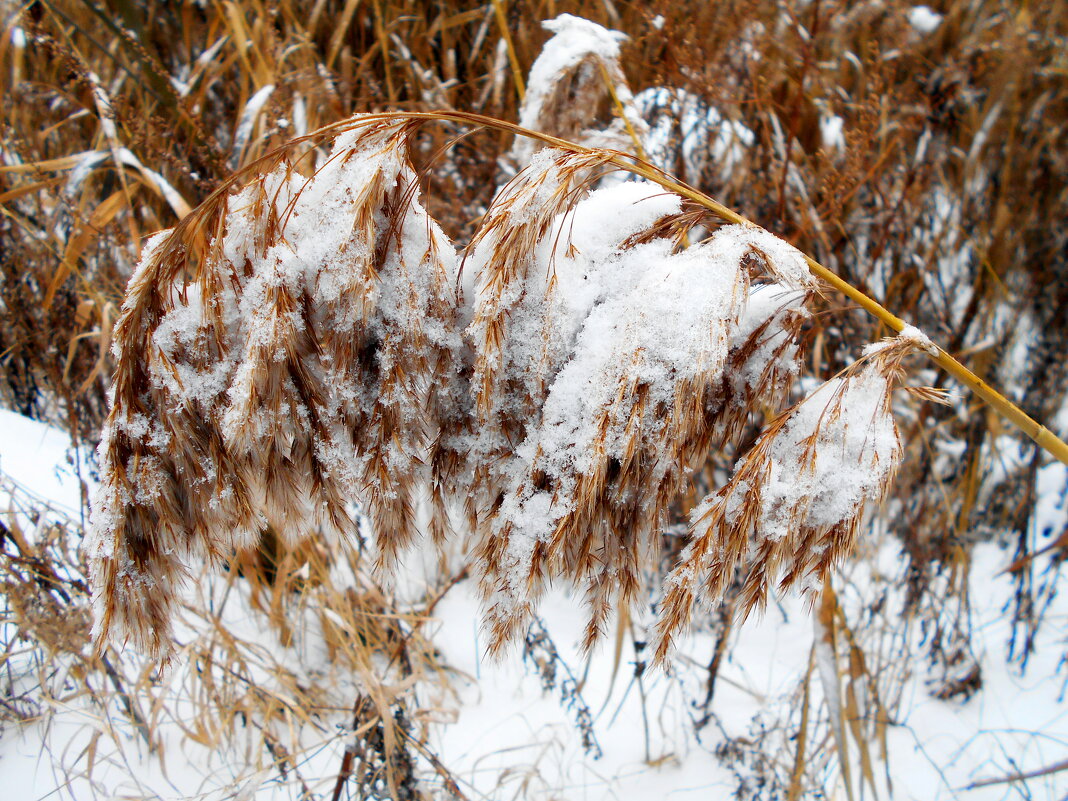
[826, 646]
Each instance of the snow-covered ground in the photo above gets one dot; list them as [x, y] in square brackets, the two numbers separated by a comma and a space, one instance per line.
[503, 734]
[35, 457]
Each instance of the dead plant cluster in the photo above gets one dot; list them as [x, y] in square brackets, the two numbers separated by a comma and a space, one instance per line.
[295, 344]
[410, 324]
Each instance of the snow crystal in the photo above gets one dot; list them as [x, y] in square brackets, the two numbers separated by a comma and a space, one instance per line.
[767, 302]
[573, 40]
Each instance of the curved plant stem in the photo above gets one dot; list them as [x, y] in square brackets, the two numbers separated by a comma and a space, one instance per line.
[1041, 435]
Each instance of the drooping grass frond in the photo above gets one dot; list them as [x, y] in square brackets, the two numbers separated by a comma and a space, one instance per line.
[275, 381]
[640, 395]
[796, 500]
[765, 355]
[576, 89]
[518, 331]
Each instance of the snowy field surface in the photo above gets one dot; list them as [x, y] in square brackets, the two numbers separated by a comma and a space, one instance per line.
[543, 723]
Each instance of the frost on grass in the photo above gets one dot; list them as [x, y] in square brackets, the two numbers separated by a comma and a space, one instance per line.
[305, 342]
[795, 502]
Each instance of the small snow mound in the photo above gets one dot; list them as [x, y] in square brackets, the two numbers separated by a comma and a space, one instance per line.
[910, 334]
[580, 34]
[924, 19]
[920, 339]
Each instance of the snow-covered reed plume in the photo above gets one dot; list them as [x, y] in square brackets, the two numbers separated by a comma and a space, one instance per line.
[796, 500]
[304, 342]
[275, 379]
[623, 359]
[577, 89]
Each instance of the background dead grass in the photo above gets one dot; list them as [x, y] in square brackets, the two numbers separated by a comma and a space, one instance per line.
[944, 197]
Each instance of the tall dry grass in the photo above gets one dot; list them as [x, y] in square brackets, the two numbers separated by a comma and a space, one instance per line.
[943, 199]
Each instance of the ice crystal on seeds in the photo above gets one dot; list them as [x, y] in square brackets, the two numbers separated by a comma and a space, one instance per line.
[782, 260]
[765, 348]
[529, 310]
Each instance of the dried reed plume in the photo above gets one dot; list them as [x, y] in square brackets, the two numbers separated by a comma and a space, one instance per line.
[577, 90]
[796, 500]
[276, 379]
